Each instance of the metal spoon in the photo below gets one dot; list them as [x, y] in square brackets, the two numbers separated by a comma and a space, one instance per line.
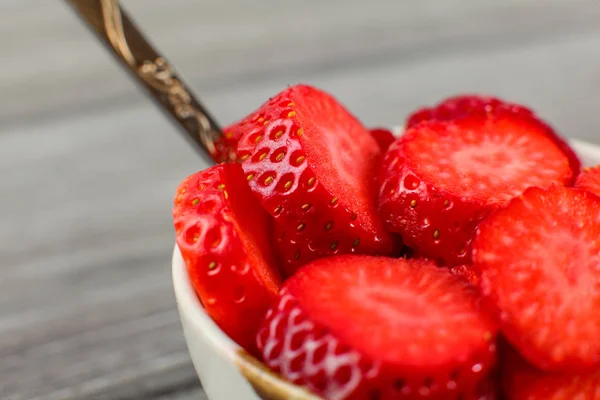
[125, 41]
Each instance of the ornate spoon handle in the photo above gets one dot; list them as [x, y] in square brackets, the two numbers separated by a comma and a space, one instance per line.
[152, 71]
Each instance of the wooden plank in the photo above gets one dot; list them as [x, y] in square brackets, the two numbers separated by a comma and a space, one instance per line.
[53, 67]
[185, 395]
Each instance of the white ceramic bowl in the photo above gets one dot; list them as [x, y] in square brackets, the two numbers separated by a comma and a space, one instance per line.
[225, 370]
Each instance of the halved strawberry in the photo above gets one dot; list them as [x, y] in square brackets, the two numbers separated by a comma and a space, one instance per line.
[311, 164]
[590, 180]
[384, 138]
[441, 179]
[364, 327]
[222, 233]
[476, 105]
[539, 261]
[522, 381]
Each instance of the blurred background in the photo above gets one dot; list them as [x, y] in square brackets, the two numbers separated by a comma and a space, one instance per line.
[88, 166]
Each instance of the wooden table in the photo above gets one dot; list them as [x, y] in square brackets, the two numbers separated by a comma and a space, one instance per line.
[88, 167]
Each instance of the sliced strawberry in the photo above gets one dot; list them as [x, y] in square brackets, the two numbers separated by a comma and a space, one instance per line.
[441, 179]
[384, 137]
[223, 238]
[364, 327]
[590, 180]
[539, 261]
[476, 105]
[521, 381]
[290, 243]
[311, 164]
[466, 272]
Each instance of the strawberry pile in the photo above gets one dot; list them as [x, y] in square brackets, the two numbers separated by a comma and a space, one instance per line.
[458, 261]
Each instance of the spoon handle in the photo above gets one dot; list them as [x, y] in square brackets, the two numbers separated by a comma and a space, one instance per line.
[116, 30]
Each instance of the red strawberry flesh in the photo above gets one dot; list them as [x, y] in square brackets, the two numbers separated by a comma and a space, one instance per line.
[337, 148]
[360, 325]
[311, 164]
[539, 261]
[466, 272]
[396, 297]
[491, 159]
[522, 381]
[470, 105]
[590, 180]
[222, 234]
[384, 137]
[226, 145]
[441, 179]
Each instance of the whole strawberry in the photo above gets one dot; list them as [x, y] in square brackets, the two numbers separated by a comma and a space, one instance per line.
[363, 327]
[311, 165]
[441, 179]
[222, 233]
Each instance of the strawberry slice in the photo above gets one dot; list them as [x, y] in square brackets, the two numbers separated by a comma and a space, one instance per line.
[383, 137]
[539, 261]
[441, 179]
[590, 180]
[476, 105]
[364, 327]
[223, 237]
[521, 381]
[311, 164]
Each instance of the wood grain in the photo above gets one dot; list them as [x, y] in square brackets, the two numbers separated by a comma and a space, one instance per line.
[218, 43]
[88, 166]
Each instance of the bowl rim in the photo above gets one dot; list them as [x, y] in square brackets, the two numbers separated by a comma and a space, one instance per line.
[252, 369]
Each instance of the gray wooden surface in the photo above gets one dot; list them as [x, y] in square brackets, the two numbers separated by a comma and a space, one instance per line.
[88, 167]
